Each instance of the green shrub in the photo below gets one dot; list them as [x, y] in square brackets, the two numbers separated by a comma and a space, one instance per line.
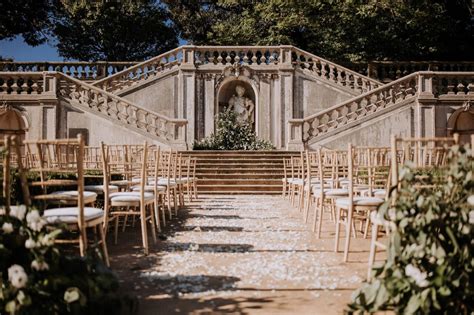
[36, 277]
[232, 135]
[430, 262]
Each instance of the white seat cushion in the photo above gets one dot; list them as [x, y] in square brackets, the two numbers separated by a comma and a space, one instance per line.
[331, 191]
[71, 214]
[360, 201]
[149, 188]
[89, 196]
[163, 182]
[100, 188]
[130, 196]
[120, 183]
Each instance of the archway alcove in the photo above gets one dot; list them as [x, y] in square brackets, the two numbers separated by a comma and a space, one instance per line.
[462, 123]
[228, 89]
[12, 122]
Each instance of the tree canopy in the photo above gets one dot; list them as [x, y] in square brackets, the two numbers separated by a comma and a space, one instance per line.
[342, 30]
[114, 31]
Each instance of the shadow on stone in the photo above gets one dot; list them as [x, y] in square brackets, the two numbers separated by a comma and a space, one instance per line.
[212, 228]
[208, 248]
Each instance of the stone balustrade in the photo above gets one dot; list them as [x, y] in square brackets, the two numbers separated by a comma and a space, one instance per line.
[386, 71]
[80, 70]
[21, 83]
[244, 55]
[91, 98]
[145, 70]
[424, 84]
[333, 72]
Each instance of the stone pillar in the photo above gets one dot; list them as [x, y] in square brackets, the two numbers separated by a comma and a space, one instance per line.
[209, 104]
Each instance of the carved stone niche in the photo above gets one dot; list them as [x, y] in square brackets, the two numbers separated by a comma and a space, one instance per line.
[237, 88]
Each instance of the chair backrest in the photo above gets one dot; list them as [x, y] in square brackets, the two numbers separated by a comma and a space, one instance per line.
[60, 163]
[421, 154]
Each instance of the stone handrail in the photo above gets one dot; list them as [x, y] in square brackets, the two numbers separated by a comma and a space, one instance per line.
[141, 71]
[386, 71]
[245, 55]
[80, 70]
[424, 84]
[333, 72]
[21, 83]
[93, 99]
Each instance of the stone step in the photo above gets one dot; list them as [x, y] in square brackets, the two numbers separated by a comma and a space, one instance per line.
[238, 171]
[236, 187]
[233, 176]
[239, 181]
[239, 166]
[221, 192]
[239, 161]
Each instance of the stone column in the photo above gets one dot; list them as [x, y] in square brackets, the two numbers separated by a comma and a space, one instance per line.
[209, 104]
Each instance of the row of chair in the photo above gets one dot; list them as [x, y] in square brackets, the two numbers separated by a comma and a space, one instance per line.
[123, 182]
[350, 185]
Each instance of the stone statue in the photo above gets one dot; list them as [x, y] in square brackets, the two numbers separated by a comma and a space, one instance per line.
[243, 106]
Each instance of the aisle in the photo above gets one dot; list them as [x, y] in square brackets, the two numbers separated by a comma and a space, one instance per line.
[241, 255]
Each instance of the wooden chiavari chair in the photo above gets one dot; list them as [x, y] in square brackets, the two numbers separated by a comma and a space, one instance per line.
[67, 160]
[331, 166]
[136, 204]
[11, 160]
[355, 206]
[421, 154]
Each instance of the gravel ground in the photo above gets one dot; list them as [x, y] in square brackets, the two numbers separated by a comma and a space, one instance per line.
[239, 255]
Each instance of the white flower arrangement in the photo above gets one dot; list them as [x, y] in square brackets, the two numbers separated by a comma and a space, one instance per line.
[17, 276]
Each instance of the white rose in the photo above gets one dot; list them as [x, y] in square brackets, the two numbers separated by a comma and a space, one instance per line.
[33, 216]
[417, 275]
[17, 276]
[471, 217]
[37, 226]
[39, 265]
[30, 243]
[18, 212]
[7, 228]
[470, 200]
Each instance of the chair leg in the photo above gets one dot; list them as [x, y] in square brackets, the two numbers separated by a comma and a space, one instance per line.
[175, 201]
[320, 218]
[125, 220]
[116, 229]
[104, 246]
[375, 230]
[195, 189]
[348, 234]
[316, 212]
[307, 205]
[144, 228]
[168, 201]
[163, 208]
[156, 213]
[153, 222]
[338, 227]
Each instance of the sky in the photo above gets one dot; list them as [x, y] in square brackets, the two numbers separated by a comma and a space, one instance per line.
[20, 51]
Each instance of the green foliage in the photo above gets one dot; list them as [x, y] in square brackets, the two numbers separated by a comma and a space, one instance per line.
[36, 277]
[112, 30]
[232, 135]
[429, 268]
[27, 18]
[338, 30]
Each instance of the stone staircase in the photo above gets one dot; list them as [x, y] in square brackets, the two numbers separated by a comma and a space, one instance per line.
[240, 172]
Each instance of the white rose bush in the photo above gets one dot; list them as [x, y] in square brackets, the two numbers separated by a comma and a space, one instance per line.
[430, 253]
[38, 277]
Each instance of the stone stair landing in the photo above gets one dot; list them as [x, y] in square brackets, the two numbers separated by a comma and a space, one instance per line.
[240, 172]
